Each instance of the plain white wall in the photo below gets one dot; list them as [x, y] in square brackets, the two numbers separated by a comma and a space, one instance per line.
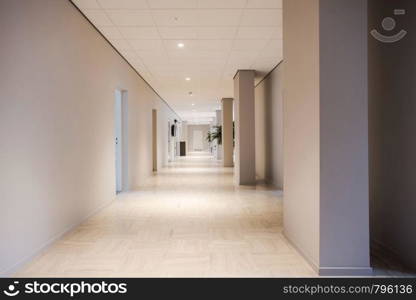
[326, 201]
[269, 128]
[344, 205]
[301, 126]
[244, 118]
[57, 124]
[190, 131]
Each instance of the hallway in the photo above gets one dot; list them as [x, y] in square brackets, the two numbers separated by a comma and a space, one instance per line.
[189, 220]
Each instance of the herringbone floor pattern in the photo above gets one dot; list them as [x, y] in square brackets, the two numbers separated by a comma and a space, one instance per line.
[190, 220]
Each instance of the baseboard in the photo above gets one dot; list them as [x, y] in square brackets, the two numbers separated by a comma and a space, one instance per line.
[13, 269]
[308, 259]
[331, 271]
[269, 184]
[345, 271]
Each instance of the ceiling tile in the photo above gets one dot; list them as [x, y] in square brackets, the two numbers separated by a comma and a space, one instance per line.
[216, 44]
[152, 45]
[139, 32]
[131, 17]
[136, 63]
[98, 17]
[242, 55]
[208, 33]
[249, 44]
[123, 4]
[220, 45]
[259, 33]
[264, 4]
[213, 54]
[265, 64]
[262, 17]
[173, 4]
[189, 45]
[151, 56]
[175, 17]
[179, 33]
[218, 17]
[129, 54]
[110, 32]
[86, 4]
[273, 49]
[222, 3]
[120, 44]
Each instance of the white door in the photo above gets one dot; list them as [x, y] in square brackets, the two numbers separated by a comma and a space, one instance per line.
[154, 139]
[198, 144]
[119, 139]
[169, 145]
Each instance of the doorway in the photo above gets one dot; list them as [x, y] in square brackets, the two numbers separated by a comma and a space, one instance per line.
[169, 141]
[154, 139]
[198, 140]
[121, 111]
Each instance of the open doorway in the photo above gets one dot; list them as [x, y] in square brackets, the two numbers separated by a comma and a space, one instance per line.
[198, 140]
[154, 139]
[169, 141]
[121, 111]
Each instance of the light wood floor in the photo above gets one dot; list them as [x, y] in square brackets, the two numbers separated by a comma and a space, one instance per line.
[188, 221]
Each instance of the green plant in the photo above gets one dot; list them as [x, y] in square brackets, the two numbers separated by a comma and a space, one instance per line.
[209, 139]
[233, 134]
[216, 134]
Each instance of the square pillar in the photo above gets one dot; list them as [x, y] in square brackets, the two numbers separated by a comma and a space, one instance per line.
[227, 132]
[245, 158]
[326, 189]
[218, 122]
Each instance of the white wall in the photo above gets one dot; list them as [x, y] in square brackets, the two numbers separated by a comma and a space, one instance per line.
[57, 124]
[344, 206]
[269, 128]
[326, 211]
[301, 125]
[205, 130]
[244, 118]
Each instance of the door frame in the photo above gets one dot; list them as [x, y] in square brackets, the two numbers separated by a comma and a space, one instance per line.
[154, 139]
[121, 140]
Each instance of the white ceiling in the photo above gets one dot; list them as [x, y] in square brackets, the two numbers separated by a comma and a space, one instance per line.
[219, 37]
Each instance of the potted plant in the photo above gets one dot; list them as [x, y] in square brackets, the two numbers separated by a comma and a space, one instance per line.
[215, 134]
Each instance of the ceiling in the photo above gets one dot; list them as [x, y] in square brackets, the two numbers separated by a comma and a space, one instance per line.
[218, 37]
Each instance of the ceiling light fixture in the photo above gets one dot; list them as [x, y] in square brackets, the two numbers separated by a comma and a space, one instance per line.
[188, 78]
[193, 104]
[181, 45]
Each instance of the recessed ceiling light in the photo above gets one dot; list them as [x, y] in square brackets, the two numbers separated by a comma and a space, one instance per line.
[181, 45]
[193, 104]
[188, 78]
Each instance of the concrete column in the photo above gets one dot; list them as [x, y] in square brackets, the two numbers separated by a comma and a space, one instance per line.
[184, 132]
[245, 156]
[227, 132]
[326, 192]
[218, 123]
